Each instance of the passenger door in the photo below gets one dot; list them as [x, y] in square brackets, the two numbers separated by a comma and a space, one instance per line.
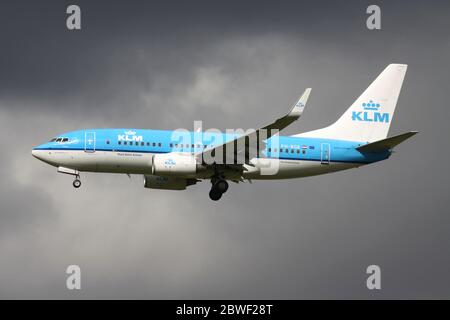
[325, 153]
[89, 141]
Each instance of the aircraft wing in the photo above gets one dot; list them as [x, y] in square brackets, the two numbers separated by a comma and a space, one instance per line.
[243, 145]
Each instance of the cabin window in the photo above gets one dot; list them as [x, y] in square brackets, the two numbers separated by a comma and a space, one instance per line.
[154, 144]
[142, 143]
[270, 149]
[159, 144]
[125, 143]
[107, 141]
[171, 145]
[292, 150]
[120, 142]
[281, 150]
[303, 151]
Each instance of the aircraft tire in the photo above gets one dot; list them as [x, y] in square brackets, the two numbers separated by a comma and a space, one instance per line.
[221, 185]
[76, 183]
[215, 194]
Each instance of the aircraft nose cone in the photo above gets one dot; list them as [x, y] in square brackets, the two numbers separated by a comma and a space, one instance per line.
[43, 155]
[35, 153]
[38, 154]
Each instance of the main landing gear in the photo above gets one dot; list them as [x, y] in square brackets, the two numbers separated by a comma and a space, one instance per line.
[219, 187]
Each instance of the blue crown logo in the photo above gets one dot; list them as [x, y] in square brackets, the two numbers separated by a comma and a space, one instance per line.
[371, 105]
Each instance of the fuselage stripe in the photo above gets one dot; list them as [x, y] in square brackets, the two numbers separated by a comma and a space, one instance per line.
[163, 152]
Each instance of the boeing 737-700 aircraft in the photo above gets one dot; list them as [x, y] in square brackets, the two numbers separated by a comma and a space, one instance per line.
[173, 160]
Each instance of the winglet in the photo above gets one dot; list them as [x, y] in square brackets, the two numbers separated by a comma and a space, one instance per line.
[299, 107]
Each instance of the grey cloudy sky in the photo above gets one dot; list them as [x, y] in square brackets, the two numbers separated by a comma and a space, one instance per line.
[232, 64]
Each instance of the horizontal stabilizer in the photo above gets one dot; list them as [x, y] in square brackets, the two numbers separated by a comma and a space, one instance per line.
[386, 144]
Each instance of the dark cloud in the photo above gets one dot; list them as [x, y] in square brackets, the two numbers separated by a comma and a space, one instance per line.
[124, 49]
[23, 207]
[232, 64]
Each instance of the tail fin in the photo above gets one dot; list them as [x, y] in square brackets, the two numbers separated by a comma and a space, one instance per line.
[369, 117]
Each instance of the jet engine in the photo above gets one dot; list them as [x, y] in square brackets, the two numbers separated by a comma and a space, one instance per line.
[173, 164]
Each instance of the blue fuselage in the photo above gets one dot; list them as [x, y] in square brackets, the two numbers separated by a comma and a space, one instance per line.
[164, 141]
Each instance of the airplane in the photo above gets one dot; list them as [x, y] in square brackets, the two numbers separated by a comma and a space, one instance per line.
[357, 138]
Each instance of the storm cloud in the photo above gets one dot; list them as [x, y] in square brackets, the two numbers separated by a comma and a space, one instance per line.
[231, 64]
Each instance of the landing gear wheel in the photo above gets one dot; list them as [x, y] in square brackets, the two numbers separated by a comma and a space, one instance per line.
[215, 194]
[76, 183]
[221, 186]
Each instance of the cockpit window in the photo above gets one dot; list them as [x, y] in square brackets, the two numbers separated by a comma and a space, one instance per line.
[58, 140]
[53, 140]
[65, 139]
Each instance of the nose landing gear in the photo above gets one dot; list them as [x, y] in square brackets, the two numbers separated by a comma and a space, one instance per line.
[77, 182]
[219, 187]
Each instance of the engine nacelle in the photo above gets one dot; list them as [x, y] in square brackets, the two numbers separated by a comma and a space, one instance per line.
[166, 183]
[173, 164]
